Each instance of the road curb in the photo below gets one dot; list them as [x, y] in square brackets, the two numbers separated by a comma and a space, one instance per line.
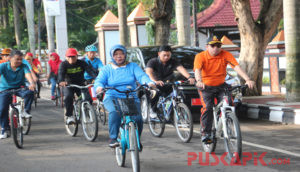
[285, 115]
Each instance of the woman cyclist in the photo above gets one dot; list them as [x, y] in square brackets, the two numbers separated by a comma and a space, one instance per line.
[54, 63]
[121, 75]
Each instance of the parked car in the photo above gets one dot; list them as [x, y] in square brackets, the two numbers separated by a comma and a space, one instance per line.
[185, 56]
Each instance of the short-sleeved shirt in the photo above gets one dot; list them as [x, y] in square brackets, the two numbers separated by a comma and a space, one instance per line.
[213, 68]
[12, 79]
[96, 63]
[161, 71]
[27, 64]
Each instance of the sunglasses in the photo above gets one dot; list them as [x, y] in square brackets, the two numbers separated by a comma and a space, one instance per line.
[215, 45]
[71, 56]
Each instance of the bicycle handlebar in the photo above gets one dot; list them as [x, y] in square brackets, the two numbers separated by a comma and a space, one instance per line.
[177, 82]
[80, 87]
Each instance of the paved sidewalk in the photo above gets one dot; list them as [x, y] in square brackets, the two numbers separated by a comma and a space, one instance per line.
[272, 108]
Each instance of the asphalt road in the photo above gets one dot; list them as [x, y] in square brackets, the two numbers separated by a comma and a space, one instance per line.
[48, 148]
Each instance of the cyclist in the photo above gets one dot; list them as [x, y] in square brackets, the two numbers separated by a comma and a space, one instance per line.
[94, 63]
[54, 63]
[13, 74]
[210, 72]
[5, 55]
[112, 75]
[160, 70]
[71, 71]
[37, 69]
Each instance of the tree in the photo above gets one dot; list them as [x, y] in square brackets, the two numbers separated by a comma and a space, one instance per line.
[29, 4]
[123, 29]
[17, 23]
[255, 35]
[292, 42]
[161, 12]
[4, 16]
[182, 8]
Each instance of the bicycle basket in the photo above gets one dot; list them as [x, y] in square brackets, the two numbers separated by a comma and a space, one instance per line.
[126, 107]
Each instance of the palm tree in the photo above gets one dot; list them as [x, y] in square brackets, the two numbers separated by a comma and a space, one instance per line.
[182, 8]
[292, 42]
[123, 29]
[29, 4]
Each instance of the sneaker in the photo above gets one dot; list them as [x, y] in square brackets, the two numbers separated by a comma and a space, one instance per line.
[141, 147]
[3, 136]
[52, 97]
[153, 114]
[206, 139]
[70, 120]
[113, 143]
[26, 115]
[38, 96]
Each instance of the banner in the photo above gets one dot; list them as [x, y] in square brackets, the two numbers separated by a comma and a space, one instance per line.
[52, 7]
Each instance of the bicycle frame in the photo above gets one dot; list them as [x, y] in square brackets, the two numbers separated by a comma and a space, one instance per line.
[124, 132]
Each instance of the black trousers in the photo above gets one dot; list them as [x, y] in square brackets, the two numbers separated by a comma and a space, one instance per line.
[163, 91]
[208, 97]
[69, 98]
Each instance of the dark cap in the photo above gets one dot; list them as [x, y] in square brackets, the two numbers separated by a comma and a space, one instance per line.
[213, 40]
[164, 48]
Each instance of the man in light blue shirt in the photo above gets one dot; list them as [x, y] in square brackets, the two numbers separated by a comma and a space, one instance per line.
[93, 62]
[13, 75]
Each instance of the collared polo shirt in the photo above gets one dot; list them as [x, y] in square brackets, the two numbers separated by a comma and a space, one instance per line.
[12, 79]
[161, 71]
[213, 68]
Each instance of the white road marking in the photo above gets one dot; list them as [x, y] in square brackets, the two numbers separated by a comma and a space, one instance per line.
[266, 147]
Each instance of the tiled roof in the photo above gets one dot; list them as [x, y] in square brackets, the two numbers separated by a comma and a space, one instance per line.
[279, 37]
[138, 12]
[220, 13]
[108, 18]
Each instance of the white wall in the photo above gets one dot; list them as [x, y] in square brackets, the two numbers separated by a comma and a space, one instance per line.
[111, 38]
[142, 35]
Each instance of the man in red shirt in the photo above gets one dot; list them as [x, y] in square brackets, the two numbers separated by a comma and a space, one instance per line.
[210, 72]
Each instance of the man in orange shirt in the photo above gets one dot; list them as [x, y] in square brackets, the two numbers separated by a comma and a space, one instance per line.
[210, 72]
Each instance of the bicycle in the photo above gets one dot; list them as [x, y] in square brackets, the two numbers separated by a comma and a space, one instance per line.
[182, 118]
[58, 97]
[19, 125]
[101, 112]
[226, 126]
[83, 113]
[128, 135]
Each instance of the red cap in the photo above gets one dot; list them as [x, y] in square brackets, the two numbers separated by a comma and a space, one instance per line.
[71, 52]
[29, 54]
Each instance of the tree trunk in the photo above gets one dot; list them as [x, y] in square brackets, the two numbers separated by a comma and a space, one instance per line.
[17, 24]
[123, 29]
[255, 36]
[195, 27]
[5, 13]
[50, 31]
[29, 5]
[182, 9]
[292, 42]
[162, 14]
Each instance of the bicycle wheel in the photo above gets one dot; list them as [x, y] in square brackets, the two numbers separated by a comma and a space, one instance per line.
[145, 108]
[72, 128]
[16, 128]
[183, 122]
[26, 125]
[210, 147]
[101, 113]
[157, 125]
[134, 151]
[120, 157]
[233, 143]
[89, 122]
